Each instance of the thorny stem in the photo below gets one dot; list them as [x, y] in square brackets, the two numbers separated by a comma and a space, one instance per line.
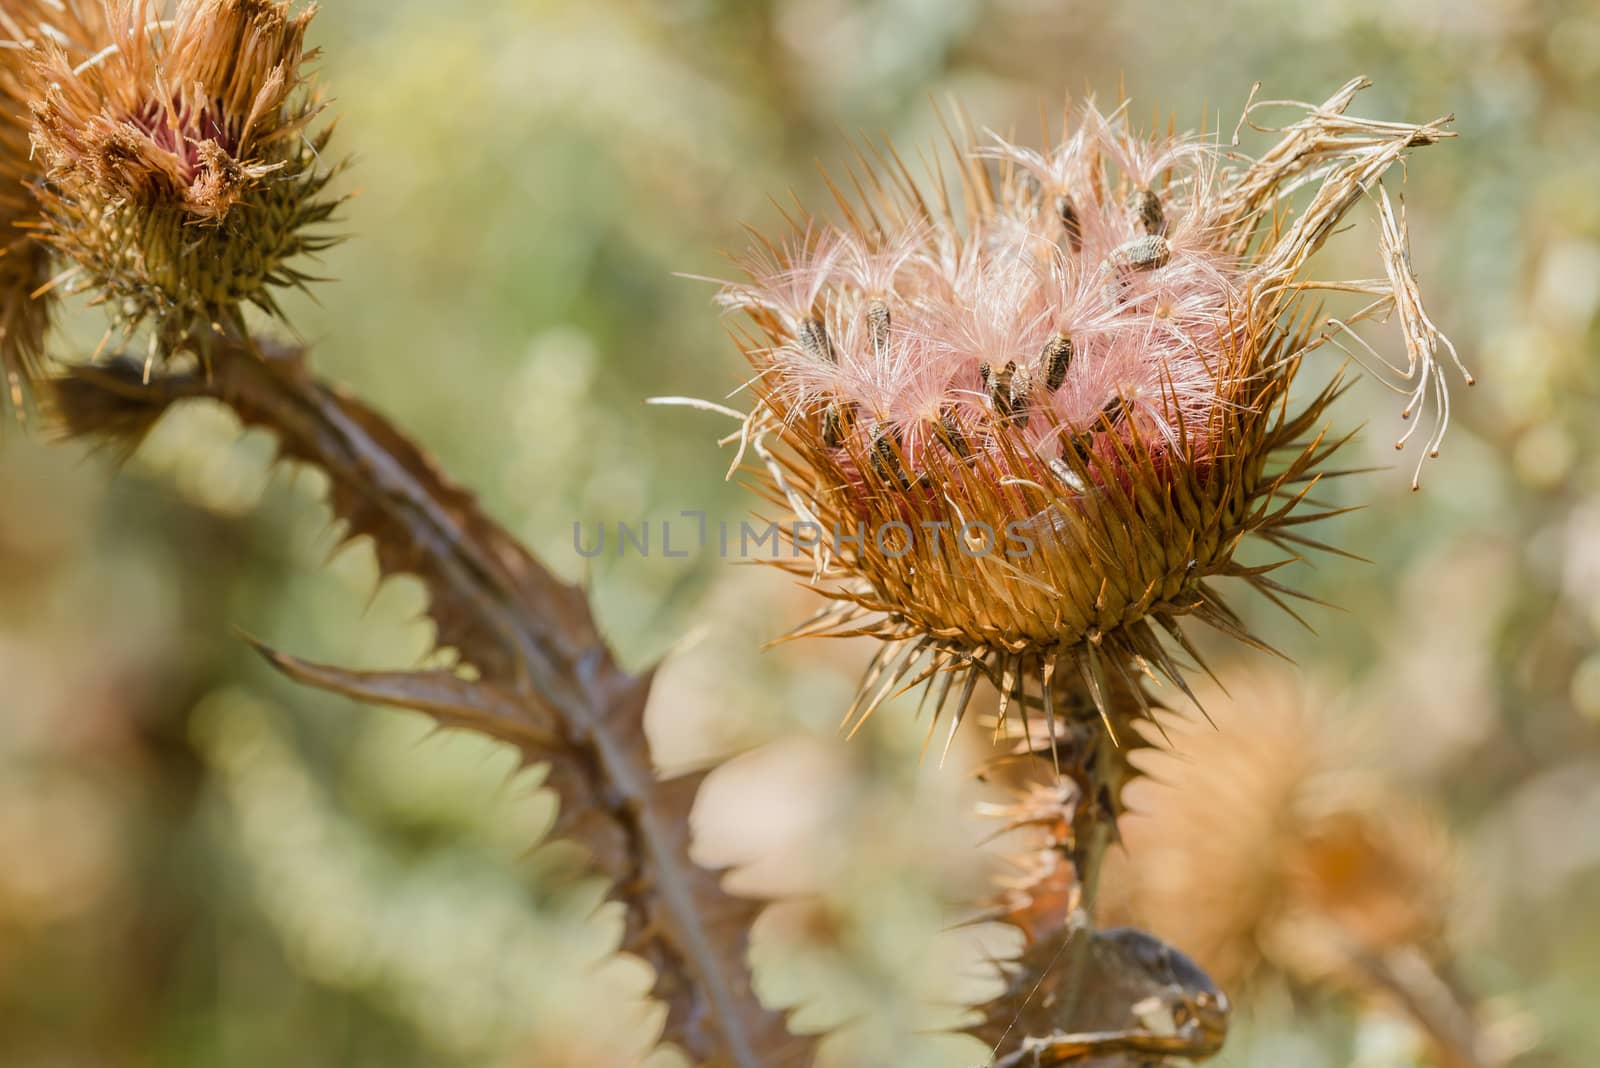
[1100, 824]
[546, 680]
[1071, 791]
[1099, 769]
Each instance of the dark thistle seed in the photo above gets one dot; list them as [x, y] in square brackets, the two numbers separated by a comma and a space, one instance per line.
[814, 342]
[1147, 253]
[1111, 412]
[835, 421]
[1008, 391]
[1069, 221]
[878, 324]
[1021, 387]
[886, 458]
[1079, 444]
[953, 436]
[1146, 208]
[999, 386]
[1055, 360]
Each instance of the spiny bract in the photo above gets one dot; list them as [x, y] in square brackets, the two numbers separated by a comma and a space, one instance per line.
[1020, 420]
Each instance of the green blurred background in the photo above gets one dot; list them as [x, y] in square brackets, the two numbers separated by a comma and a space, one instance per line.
[202, 865]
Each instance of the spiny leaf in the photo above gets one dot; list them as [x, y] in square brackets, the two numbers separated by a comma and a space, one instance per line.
[544, 665]
[447, 697]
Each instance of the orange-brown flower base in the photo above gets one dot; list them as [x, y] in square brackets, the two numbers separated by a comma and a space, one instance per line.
[1107, 571]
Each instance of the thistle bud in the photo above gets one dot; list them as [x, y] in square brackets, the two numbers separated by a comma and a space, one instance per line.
[180, 174]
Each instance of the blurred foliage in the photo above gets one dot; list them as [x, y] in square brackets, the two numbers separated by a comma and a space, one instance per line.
[202, 865]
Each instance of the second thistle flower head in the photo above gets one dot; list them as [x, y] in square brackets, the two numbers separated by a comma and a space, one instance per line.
[1026, 418]
[180, 175]
[24, 262]
[23, 265]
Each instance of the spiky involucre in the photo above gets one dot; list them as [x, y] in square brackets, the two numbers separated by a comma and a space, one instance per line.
[1054, 394]
[181, 176]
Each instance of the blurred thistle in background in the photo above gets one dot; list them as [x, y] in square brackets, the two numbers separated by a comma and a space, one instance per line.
[171, 892]
[1266, 846]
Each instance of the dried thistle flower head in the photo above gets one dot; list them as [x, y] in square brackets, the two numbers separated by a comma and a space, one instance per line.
[181, 177]
[24, 266]
[24, 263]
[1023, 422]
